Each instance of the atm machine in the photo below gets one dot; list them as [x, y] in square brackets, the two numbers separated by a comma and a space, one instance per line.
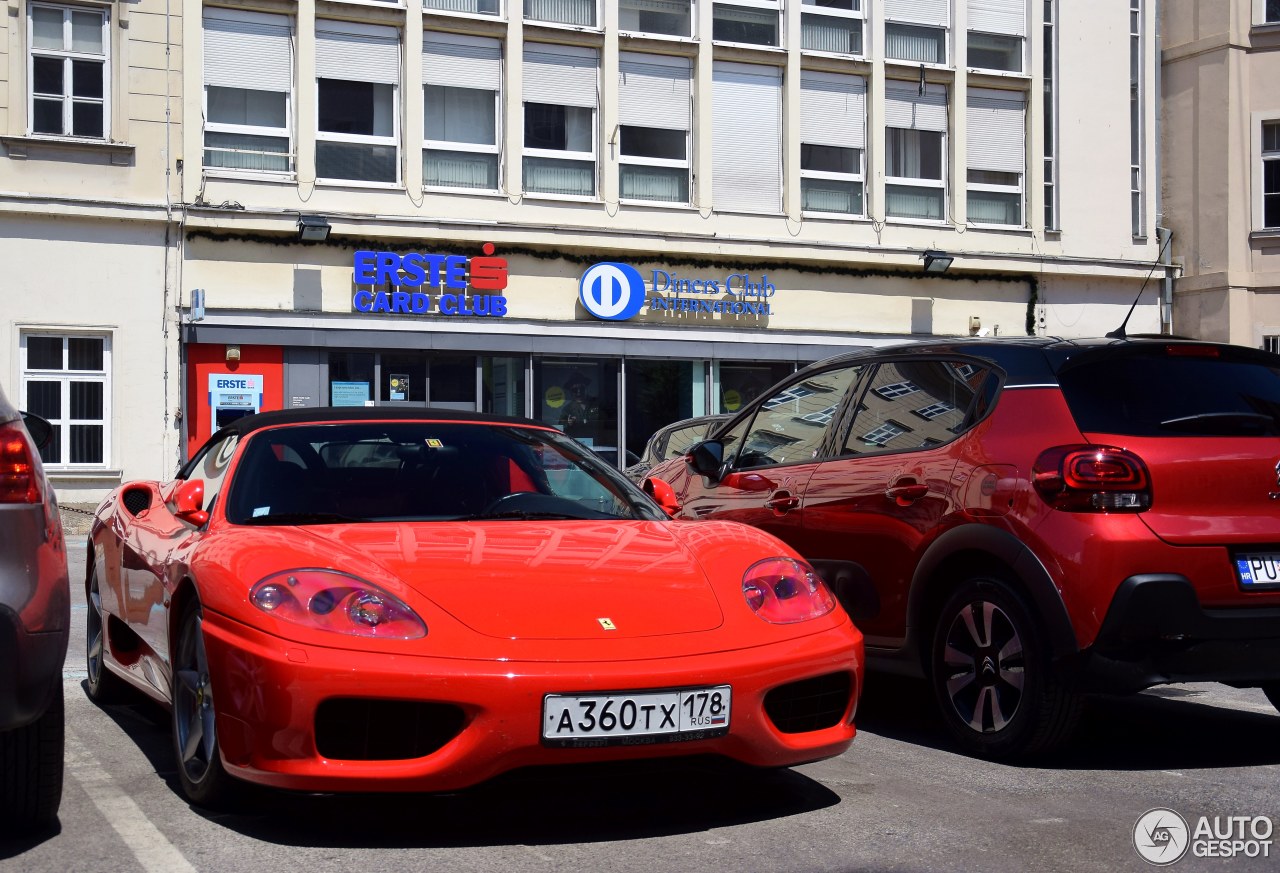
[232, 396]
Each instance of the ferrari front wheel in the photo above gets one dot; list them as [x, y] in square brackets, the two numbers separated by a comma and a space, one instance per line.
[992, 677]
[195, 739]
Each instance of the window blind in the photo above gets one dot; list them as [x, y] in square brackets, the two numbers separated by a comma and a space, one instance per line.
[996, 131]
[833, 109]
[654, 90]
[934, 12]
[998, 16]
[746, 137]
[249, 50]
[458, 61]
[906, 107]
[561, 75]
[357, 53]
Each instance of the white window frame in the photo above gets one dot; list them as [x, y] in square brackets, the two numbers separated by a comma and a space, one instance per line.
[363, 139]
[916, 18]
[693, 24]
[501, 14]
[914, 182]
[1265, 157]
[287, 132]
[774, 6]
[859, 175]
[65, 377]
[543, 22]
[669, 163]
[567, 155]
[431, 144]
[1020, 188]
[1137, 127]
[68, 56]
[564, 155]
[444, 145]
[858, 13]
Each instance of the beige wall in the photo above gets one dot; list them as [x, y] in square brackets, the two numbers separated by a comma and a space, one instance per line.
[83, 234]
[1220, 69]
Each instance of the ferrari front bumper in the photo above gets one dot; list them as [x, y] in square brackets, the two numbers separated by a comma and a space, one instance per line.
[267, 692]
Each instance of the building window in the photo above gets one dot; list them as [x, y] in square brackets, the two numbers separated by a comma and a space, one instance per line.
[746, 172]
[560, 85]
[358, 74]
[754, 22]
[1272, 12]
[66, 379]
[915, 155]
[581, 13]
[248, 84]
[1271, 174]
[474, 7]
[68, 72]
[997, 31]
[1271, 343]
[996, 156]
[1050, 118]
[1136, 140]
[462, 80]
[916, 30]
[666, 17]
[832, 142]
[831, 26]
[655, 118]
[895, 390]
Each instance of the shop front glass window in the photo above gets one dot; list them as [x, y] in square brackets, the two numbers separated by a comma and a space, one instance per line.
[659, 393]
[580, 397]
[350, 378]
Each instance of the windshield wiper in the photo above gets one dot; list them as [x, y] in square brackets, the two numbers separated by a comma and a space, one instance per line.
[530, 514]
[288, 518]
[1247, 421]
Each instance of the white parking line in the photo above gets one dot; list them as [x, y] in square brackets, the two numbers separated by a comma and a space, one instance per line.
[153, 851]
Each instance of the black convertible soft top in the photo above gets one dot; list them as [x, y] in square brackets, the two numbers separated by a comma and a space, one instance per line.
[315, 415]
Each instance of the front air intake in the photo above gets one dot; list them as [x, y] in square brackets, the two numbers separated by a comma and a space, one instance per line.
[809, 705]
[364, 729]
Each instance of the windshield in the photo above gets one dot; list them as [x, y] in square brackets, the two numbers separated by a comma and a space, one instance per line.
[1165, 391]
[416, 471]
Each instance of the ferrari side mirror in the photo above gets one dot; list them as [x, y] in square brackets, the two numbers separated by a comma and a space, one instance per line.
[188, 503]
[663, 494]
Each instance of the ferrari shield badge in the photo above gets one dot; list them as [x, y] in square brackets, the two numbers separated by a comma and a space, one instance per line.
[607, 623]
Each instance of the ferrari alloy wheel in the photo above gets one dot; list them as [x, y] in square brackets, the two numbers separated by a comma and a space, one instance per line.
[102, 685]
[991, 677]
[195, 738]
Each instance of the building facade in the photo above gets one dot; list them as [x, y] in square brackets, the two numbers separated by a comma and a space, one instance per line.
[1221, 155]
[610, 215]
[90, 118]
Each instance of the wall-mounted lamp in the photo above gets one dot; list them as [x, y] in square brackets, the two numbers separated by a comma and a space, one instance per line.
[233, 354]
[313, 228]
[937, 262]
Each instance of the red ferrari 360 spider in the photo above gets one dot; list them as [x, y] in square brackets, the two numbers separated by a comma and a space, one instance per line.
[355, 600]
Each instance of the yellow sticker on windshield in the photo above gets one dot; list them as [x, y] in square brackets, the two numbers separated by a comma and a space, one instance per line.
[434, 444]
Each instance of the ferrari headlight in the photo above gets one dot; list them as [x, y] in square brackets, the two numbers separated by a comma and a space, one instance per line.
[785, 591]
[339, 602]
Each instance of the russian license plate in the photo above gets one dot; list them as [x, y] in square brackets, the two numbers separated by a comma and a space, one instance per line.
[636, 719]
[1259, 570]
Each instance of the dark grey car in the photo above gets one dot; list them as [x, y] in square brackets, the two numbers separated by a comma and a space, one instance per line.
[674, 440]
[35, 617]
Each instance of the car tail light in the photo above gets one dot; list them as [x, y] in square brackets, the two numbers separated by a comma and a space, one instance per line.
[333, 601]
[1092, 479]
[19, 468]
[785, 591]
